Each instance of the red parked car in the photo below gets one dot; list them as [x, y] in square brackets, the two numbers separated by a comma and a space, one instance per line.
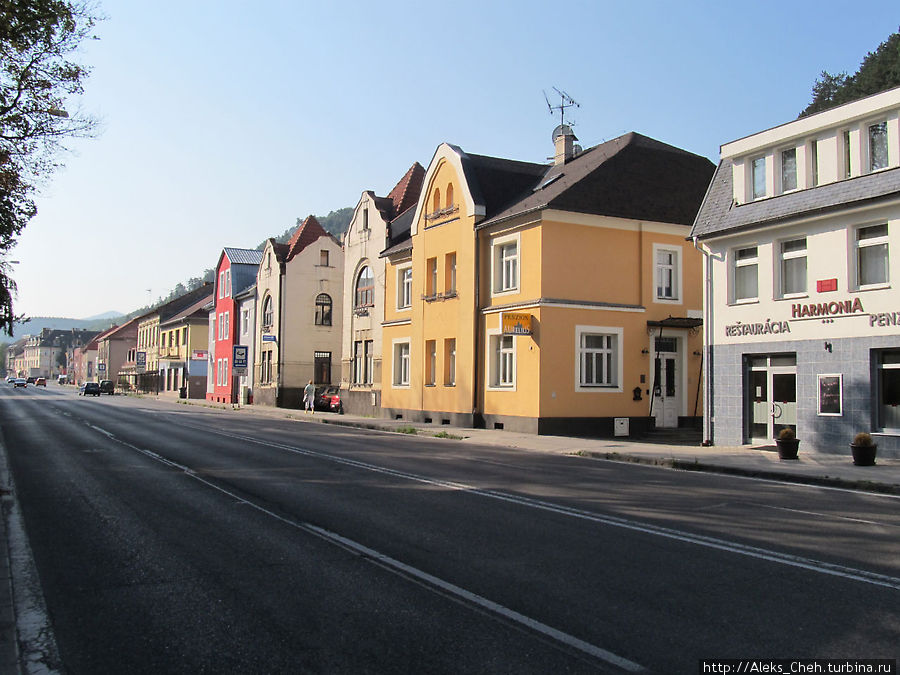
[329, 398]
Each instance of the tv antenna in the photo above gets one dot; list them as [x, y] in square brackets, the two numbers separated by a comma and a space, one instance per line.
[565, 101]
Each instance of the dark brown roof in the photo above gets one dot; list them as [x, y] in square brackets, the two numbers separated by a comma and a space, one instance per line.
[406, 192]
[631, 176]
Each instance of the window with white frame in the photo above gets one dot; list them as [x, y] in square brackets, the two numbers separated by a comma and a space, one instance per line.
[505, 263]
[227, 325]
[450, 271]
[813, 163]
[745, 274]
[872, 255]
[793, 266]
[758, 178]
[368, 361]
[888, 390]
[668, 274]
[789, 169]
[878, 146]
[401, 364]
[599, 361]
[846, 164]
[245, 321]
[404, 287]
[430, 362]
[450, 362]
[268, 314]
[228, 283]
[357, 362]
[502, 365]
[222, 284]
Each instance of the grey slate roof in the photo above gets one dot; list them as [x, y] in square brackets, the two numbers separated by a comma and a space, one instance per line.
[243, 256]
[399, 229]
[719, 215]
[632, 176]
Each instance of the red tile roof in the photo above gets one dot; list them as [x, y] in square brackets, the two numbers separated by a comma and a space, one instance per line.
[305, 235]
[406, 192]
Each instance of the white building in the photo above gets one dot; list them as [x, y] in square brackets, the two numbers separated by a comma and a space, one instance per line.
[246, 313]
[377, 223]
[800, 227]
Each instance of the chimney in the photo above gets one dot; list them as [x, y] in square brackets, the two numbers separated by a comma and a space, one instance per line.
[564, 142]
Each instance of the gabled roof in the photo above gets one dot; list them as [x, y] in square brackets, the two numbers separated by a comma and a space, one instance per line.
[126, 330]
[719, 215]
[243, 256]
[308, 232]
[193, 310]
[632, 176]
[399, 238]
[406, 192]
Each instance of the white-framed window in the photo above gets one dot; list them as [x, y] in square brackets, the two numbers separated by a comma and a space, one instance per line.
[667, 273]
[505, 263]
[888, 390]
[793, 266]
[430, 362]
[878, 146]
[846, 164]
[401, 362]
[228, 283]
[872, 256]
[225, 372]
[746, 274]
[404, 287]
[450, 265]
[450, 362]
[357, 362]
[219, 373]
[789, 169]
[501, 361]
[268, 315]
[368, 361]
[245, 321]
[813, 164]
[598, 361]
[758, 178]
[432, 278]
[222, 284]
[227, 325]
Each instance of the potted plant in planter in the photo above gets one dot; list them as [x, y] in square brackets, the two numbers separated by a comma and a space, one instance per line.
[787, 444]
[863, 449]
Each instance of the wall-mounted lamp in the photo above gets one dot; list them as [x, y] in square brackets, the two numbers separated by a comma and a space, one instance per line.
[645, 351]
[828, 347]
[696, 353]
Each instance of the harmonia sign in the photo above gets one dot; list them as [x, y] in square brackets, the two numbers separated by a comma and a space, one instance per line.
[513, 323]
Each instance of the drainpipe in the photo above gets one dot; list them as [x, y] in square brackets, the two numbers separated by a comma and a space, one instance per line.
[282, 268]
[707, 356]
[476, 353]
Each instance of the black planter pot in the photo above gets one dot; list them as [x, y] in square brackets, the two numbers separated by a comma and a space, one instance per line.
[787, 447]
[864, 455]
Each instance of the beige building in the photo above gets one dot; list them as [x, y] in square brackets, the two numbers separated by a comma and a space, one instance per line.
[299, 291]
[377, 224]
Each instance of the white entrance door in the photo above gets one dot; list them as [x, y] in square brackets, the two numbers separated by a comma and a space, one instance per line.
[666, 382]
[772, 397]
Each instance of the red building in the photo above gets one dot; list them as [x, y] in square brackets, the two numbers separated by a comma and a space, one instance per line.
[235, 272]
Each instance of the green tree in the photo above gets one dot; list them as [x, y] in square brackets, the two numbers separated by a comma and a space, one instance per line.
[879, 71]
[38, 81]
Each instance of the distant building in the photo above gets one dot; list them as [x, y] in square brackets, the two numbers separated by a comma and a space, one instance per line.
[46, 354]
[802, 330]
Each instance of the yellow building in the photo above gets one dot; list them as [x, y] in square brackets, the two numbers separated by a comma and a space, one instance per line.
[549, 298]
[183, 345]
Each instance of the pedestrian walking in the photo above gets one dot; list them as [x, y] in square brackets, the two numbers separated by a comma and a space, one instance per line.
[309, 395]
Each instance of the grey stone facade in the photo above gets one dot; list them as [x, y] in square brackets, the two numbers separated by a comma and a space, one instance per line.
[854, 358]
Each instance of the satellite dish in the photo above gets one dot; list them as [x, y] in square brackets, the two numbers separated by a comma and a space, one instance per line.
[563, 130]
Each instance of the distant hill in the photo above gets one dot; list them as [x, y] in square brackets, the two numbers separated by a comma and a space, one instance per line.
[101, 317]
[34, 325]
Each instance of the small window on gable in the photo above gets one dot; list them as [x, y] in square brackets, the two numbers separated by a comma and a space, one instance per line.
[449, 200]
[437, 200]
[323, 258]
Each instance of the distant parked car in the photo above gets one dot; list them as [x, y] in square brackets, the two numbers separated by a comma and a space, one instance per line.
[89, 389]
[20, 382]
[62, 379]
[30, 380]
[329, 398]
[40, 382]
[11, 379]
[107, 387]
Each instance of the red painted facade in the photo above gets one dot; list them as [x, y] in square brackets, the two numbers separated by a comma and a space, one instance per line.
[224, 384]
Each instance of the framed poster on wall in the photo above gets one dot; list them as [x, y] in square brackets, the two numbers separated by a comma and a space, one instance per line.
[831, 394]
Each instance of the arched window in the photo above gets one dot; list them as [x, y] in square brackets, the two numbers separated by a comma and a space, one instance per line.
[437, 200]
[268, 314]
[449, 195]
[323, 309]
[365, 288]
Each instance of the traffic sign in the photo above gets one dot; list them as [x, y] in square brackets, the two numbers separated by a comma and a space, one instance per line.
[239, 357]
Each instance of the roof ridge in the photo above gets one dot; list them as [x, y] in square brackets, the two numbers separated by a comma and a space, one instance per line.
[407, 188]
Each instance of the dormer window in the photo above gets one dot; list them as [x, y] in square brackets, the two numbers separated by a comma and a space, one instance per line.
[758, 178]
[789, 169]
[878, 146]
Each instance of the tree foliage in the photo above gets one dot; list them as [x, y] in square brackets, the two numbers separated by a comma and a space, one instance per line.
[879, 71]
[38, 81]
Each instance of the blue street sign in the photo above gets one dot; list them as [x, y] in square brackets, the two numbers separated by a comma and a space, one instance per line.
[239, 358]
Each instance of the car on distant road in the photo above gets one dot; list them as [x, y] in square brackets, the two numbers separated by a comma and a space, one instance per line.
[40, 382]
[20, 382]
[30, 380]
[329, 398]
[107, 387]
[11, 379]
[89, 389]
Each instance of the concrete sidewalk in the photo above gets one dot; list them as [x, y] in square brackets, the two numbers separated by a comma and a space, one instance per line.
[815, 468]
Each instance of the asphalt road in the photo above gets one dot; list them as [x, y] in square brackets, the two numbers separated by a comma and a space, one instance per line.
[179, 539]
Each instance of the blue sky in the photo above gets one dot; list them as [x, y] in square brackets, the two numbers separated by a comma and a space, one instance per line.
[222, 122]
